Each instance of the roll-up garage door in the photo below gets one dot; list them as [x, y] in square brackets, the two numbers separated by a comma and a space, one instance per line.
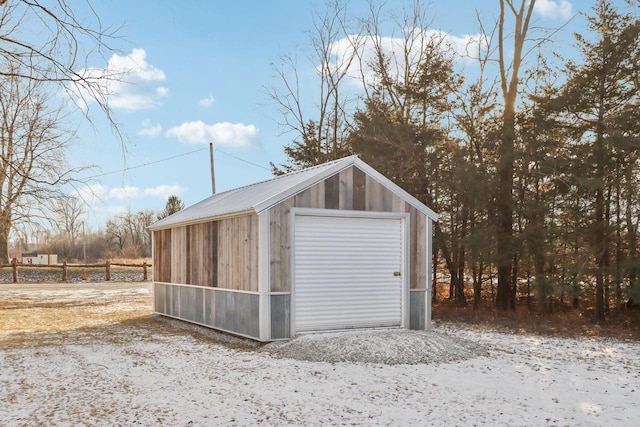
[347, 272]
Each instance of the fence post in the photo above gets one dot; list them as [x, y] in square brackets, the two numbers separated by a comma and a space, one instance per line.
[14, 267]
[64, 270]
[144, 271]
[108, 271]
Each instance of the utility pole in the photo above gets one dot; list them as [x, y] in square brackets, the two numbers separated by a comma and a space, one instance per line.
[213, 175]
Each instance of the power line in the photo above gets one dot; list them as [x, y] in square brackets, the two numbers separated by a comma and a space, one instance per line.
[175, 157]
[145, 164]
[242, 160]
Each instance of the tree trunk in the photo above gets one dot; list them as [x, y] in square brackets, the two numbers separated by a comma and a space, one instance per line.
[504, 229]
[632, 231]
[4, 242]
[600, 258]
[477, 284]
[461, 299]
[504, 188]
[600, 224]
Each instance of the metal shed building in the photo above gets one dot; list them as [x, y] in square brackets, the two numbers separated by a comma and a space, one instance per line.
[335, 246]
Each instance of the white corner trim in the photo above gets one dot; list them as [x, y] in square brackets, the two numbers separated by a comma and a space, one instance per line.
[264, 285]
[427, 295]
[406, 270]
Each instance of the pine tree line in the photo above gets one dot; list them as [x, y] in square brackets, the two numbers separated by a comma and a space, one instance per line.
[546, 201]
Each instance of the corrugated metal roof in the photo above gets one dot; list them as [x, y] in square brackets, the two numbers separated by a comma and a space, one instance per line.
[263, 195]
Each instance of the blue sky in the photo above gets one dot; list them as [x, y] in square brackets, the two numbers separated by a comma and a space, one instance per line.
[198, 73]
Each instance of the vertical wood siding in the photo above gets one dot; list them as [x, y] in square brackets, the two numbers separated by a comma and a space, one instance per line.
[238, 253]
[280, 244]
[178, 255]
[220, 253]
[224, 253]
[345, 195]
[162, 255]
[351, 189]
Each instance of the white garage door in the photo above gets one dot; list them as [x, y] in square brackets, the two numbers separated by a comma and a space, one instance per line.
[347, 272]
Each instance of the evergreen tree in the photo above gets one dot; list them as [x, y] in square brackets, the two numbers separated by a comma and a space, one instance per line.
[174, 204]
[600, 102]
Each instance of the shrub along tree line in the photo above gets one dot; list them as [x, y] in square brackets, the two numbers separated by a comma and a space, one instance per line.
[532, 163]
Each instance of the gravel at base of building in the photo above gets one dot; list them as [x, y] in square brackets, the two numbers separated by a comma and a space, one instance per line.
[380, 346]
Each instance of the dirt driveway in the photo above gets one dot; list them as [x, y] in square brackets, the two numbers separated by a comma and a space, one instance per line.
[41, 308]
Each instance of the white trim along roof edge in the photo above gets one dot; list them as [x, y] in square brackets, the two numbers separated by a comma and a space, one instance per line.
[323, 173]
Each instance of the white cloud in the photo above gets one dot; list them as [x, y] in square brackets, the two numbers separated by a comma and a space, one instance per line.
[554, 9]
[464, 47]
[207, 102]
[91, 193]
[129, 82]
[150, 129]
[114, 210]
[225, 134]
[125, 193]
[100, 192]
[164, 191]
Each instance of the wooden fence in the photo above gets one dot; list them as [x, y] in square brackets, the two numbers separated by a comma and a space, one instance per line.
[15, 266]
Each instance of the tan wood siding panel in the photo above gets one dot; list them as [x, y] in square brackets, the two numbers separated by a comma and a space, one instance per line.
[167, 256]
[285, 245]
[247, 260]
[317, 196]
[212, 243]
[223, 253]
[359, 184]
[157, 258]
[253, 252]
[195, 253]
[187, 255]
[219, 252]
[178, 255]
[275, 253]
[162, 255]
[312, 197]
[200, 248]
[345, 195]
[332, 192]
[280, 246]
[303, 199]
[237, 242]
[244, 256]
[378, 197]
[397, 203]
[237, 253]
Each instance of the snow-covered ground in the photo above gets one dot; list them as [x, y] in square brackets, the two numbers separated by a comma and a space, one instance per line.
[134, 369]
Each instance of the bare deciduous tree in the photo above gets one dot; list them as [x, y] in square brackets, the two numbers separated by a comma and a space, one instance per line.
[68, 211]
[320, 135]
[68, 36]
[33, 144]
[128, 231]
